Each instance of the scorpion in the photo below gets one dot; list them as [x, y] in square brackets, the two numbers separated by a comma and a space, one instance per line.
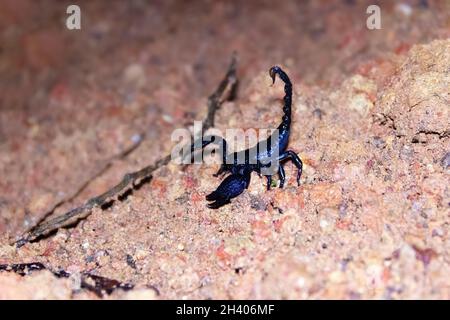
[267, 153]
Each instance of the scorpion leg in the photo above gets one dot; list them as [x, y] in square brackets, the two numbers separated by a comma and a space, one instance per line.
[221, 171]
[258, 171]
[269, 182]
[289, 154]
[282, 175]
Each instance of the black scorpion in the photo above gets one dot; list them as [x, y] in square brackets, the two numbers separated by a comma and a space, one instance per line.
[265, 154]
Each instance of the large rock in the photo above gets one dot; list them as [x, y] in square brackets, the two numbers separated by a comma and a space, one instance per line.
[416, 101]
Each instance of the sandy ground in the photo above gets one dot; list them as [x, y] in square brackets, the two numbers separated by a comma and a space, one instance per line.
[371, 123]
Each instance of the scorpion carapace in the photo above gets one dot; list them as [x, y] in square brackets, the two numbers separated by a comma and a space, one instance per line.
[268, 153]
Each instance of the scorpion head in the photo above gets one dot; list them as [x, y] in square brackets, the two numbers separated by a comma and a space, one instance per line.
[231, 187]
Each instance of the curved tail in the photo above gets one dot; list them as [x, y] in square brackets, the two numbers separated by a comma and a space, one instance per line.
[286, 120]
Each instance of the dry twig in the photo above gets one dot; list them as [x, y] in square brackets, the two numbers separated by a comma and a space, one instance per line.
[43, 228]
[101, 170]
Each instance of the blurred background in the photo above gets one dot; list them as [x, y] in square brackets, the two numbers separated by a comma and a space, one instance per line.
[183, 46]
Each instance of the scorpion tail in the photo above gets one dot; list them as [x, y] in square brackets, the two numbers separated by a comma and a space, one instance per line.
[231, 187]
[287, 97]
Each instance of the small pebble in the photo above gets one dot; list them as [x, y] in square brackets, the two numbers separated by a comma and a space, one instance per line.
[167, 118]
[404, 8]
[135, 75]
[318, 113]
[438, 232]
[445, 161]
[323, 224]
[378, 142]
[85, 245]
[301, 282]
[136, 138]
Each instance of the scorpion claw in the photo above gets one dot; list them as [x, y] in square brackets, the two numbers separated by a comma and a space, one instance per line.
[212, 196]
[231, 187]
[218, 203]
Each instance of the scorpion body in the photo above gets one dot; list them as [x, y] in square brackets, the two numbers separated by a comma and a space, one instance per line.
[267, 153]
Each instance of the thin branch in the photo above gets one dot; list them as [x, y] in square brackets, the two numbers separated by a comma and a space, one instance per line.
[215, 100]
[71, 217]
[107, 164]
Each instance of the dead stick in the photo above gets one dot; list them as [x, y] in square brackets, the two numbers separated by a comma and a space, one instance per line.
[82, 212]
[85, 184]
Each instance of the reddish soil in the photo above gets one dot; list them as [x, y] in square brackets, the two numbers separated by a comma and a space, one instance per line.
[371, 218]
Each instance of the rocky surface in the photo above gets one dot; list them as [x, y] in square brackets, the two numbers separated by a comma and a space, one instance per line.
[370, 220]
